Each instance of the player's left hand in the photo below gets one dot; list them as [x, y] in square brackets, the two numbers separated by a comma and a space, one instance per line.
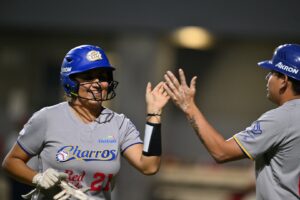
[70, 191]
[156, 99]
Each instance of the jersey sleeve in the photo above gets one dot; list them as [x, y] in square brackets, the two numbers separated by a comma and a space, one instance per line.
[263, 134]
[129, 135]
[31, 137]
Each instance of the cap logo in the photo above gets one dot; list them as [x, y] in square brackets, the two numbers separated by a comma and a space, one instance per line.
[284, 67]
[94, 55]
[66, 69]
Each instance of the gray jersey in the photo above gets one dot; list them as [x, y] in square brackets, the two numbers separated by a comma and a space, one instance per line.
[273, 141]
[88, 153]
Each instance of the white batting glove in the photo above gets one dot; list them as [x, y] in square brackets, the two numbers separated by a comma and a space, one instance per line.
[70, 190]
[48, 178]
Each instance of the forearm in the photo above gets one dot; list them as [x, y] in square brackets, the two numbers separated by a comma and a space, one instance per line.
[17, 168]
[211, 139]
[150, 164]
[146, 157]
[147, 165]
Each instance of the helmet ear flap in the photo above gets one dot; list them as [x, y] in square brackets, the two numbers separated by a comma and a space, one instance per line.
[70, 86]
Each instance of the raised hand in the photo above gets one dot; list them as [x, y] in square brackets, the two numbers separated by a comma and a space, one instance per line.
[156, 99]
[181, 94]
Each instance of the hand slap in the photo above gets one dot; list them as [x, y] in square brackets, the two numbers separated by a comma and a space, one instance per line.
[157, 98]
[181, 94]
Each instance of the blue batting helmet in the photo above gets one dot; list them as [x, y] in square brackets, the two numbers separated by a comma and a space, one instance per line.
[286, 60]
[81, 59]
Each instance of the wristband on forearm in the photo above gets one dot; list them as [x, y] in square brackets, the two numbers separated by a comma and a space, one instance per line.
[152, 140]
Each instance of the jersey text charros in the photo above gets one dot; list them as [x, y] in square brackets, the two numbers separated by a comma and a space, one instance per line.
[88, 153]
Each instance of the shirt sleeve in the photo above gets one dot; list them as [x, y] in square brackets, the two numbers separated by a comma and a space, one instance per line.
[129, 135]
[31, 137]
[262, 135]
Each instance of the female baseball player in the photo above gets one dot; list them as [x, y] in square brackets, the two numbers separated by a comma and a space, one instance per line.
[272, 140]
[79, 142]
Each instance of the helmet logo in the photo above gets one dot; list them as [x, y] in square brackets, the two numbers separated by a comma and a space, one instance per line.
[94, 55]
[284, 67]
[66, 69]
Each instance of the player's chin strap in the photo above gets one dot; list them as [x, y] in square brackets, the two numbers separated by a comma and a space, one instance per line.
[152, 140]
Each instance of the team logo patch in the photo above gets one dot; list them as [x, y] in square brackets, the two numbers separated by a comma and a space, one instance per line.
[256, 128]
[62, 156]
[94, 55]
[253, 131]
[70, 152]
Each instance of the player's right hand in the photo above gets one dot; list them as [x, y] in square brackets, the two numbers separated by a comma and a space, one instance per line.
[48, 178]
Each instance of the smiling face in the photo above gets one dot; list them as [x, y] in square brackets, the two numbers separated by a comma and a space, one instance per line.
[93, 86]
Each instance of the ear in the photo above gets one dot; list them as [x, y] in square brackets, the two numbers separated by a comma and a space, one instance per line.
[285, 80]
[284, 83]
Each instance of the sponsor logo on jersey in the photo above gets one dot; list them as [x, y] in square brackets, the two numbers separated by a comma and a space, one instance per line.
[94, 55]
[71, 152]
[284, 67]
[108, 140]
[66, 69]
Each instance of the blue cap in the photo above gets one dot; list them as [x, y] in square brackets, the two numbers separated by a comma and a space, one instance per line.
[286, 60]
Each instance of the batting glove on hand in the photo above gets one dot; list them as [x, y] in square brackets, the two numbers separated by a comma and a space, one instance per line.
[70, 190]
[48, 178]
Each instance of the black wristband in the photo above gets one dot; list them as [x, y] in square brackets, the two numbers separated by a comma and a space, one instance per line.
[153, 114]
[152, 140]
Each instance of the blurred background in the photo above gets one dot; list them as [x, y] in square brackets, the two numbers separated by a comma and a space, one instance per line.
[219, 41]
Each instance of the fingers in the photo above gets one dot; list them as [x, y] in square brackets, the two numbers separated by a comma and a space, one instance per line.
[52, 177]
[48, 178]
[169, 82]
[148, 88]
[169, 91]
[170, 88]
[182, 77]
[193, 83]
[158, 87]
[173, 79]
[63, 176]
[165, 93]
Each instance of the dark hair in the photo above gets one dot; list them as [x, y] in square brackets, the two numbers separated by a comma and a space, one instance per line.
[295, 83]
